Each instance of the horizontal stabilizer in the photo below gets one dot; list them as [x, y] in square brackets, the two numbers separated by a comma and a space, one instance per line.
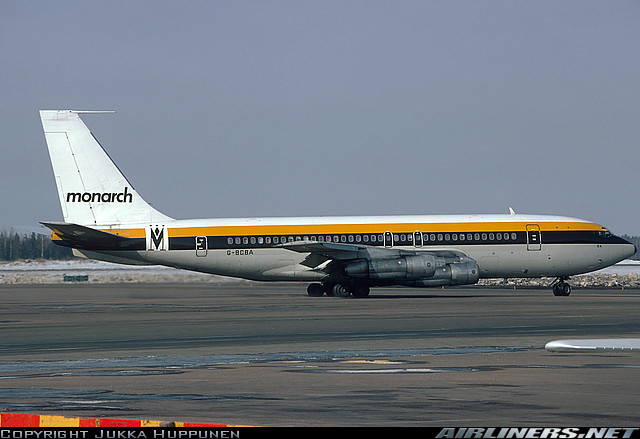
[77, 236]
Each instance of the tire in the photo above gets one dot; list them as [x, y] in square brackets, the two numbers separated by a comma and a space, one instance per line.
[315, 290]
[562, 289]
[361, 290]
[340, 290]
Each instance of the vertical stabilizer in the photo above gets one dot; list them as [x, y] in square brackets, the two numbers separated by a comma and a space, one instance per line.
[92, 190]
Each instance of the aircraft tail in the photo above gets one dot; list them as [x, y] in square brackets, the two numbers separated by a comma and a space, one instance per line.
[92, 190]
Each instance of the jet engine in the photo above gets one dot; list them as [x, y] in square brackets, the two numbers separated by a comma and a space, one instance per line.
[415, 270]
[402, 268]
[465, 272]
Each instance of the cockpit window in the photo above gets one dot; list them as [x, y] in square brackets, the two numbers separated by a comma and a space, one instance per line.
[605, 233]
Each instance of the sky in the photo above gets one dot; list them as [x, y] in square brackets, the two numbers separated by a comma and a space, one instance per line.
[301, 108]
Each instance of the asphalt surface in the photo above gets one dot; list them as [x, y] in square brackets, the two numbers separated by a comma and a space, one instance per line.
[270, 355]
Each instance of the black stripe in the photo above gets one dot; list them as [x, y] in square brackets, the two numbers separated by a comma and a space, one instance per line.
[437, 239]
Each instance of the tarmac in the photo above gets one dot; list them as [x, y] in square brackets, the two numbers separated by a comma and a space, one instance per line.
[269, 355]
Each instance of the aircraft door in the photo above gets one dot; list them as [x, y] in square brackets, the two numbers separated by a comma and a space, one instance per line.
[534, 242]
[417, 238]
[388, 239]
[201, 246]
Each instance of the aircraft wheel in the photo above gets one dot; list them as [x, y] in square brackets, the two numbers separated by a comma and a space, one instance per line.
[361, 290]
[328, 289]
[315, 290]
[562, 289]
[340, 290]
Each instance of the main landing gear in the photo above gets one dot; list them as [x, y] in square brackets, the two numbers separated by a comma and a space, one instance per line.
[338, 290]
[560, 287]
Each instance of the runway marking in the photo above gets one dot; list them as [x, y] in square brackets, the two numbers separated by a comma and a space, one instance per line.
[383, 371]
[177, 363]
[372, 362]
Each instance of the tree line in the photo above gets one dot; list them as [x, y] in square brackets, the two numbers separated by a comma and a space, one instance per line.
[14, 246]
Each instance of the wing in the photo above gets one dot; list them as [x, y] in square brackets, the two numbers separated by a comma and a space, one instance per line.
[343, 252]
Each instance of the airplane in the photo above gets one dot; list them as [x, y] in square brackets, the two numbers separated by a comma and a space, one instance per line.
[343, 256]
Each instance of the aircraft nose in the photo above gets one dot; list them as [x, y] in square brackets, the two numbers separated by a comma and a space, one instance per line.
[629, 249]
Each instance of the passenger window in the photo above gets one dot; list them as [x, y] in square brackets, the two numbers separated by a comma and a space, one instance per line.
[229, 241]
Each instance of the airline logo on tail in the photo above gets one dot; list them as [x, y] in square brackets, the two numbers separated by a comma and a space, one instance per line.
[100, 197]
